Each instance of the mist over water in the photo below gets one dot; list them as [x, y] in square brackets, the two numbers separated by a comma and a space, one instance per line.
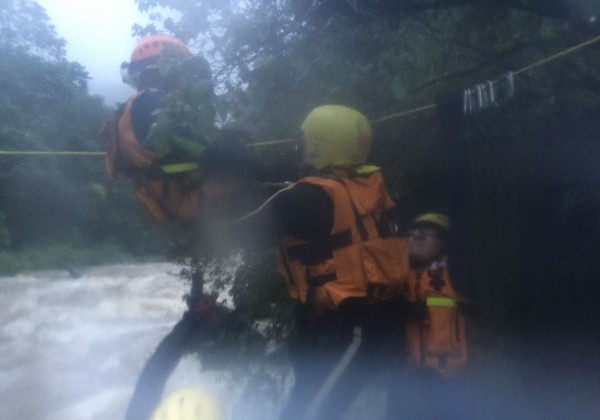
[71, 348]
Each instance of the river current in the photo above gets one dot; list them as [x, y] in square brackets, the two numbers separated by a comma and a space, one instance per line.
[72, 348]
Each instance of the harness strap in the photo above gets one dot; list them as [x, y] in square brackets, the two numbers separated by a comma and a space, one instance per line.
[314, 282]
[319, 250]
[286, 265]
[364, 235]
[321, 280]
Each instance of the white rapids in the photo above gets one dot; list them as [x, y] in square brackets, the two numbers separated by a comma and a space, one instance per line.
[72, 348]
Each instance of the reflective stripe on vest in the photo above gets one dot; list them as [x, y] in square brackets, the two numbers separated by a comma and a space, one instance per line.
[437, 341]
[176, 168]
[441, 301]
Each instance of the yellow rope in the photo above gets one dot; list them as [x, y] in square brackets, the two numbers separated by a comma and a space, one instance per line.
[403, 114]
[558, 55]
[543, 61]
[68, 153]
[553, 57]
[270, 143]
[49, 153]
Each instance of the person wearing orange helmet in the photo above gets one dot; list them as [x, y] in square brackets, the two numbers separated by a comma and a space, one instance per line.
[165, 141]
[142, 70]
[164, 137]
[159, 157]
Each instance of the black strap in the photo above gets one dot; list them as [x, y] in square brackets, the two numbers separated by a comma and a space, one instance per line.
[313, 283]
[320, 250]
[286, 265]
[364, 235]
[321, 280]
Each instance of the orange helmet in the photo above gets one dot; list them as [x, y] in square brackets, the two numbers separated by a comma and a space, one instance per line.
[153, 45]
[145, 56]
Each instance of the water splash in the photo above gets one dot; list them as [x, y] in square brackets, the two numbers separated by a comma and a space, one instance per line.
[72, 348]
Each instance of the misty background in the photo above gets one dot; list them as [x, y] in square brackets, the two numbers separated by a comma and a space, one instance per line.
[520, 180]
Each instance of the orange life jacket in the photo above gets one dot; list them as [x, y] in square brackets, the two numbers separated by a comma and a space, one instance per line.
[437, 340]
[161, 196]
[362, 256]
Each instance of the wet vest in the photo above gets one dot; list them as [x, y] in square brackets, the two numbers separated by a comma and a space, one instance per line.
[161, 196]
[437, 338]
[362, 256]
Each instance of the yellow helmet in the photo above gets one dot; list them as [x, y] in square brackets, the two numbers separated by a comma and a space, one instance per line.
[188, 404]
[336, 135]
[435, 219]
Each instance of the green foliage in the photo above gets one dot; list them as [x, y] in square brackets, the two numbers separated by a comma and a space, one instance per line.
[276, 60]
[260, 294]
[186, 116]
[61, 256]
[48, 108]
[45, 106]
[531, 179]
[25, 25]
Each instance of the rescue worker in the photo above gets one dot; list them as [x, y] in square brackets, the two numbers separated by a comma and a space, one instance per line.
[162, 166]
[164, 138]
[436, 328]
[344, 264]
[436, 339]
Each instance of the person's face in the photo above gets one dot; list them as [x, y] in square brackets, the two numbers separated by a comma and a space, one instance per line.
[424, 244]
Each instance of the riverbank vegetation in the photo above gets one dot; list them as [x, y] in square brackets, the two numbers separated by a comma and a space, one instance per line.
[56, 209]
[61, 255]
[520, 180]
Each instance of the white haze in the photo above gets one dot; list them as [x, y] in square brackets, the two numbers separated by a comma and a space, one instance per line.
[98, 35]
[73, 348]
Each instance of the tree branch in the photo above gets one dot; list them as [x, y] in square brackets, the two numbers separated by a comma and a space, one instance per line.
[556, 9]
[489, 61]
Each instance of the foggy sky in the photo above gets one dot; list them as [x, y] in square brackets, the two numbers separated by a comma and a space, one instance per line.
[98, 35]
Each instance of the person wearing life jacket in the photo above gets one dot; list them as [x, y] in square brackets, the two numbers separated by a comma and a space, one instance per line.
[437, 337]
[344, 265]
[155, 144]
[163, 139]
[437, 343]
